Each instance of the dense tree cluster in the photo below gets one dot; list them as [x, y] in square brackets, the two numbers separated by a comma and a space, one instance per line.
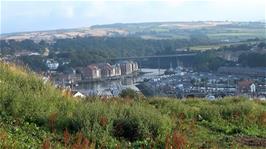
[11, 46]
[36, 63]
[118, 46]
[82, 51]
[85, 50]
[252, 60]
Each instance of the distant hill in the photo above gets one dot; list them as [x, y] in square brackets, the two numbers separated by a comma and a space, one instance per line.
[216, 30]
[52, 35]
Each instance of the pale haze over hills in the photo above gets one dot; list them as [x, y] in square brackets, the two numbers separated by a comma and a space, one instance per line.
[22, 16]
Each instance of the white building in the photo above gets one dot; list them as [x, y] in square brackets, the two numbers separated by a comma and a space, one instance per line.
[52, 64]
[77, 94]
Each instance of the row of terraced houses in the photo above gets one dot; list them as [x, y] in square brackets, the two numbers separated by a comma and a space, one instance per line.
[106, 70]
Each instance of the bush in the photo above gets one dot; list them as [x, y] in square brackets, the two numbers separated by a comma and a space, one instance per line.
[128, 129]
[129, 93]
[115, 119]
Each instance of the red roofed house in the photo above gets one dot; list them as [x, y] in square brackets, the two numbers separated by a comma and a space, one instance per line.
[244, 86]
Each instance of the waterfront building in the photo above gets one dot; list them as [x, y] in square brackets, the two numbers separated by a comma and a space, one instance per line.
[117, 69]
[134, 66]
[91, 72]
[107, 70]
[126, 67]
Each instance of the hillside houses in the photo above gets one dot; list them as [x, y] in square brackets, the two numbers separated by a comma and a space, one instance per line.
[106, 70]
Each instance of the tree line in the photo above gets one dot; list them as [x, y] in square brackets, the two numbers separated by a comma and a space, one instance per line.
[82, 51]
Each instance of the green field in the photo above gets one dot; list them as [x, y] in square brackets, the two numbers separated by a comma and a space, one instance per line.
[217, 46]
[235, 31]
[206, 47]
[239, 34]
[37, 115]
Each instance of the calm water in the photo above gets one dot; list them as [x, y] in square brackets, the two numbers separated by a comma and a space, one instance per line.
[108, 86]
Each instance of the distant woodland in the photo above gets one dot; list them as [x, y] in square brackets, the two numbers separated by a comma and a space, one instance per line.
[82, 51]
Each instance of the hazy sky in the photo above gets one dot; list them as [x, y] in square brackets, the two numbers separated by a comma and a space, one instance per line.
[19, 15]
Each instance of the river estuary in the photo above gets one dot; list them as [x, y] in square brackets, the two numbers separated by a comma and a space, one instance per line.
[115, 86]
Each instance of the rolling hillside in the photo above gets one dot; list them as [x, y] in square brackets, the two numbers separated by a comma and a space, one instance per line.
[34, 114]
[222, 31]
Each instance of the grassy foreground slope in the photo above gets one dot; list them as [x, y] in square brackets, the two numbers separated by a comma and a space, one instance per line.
[36, 115]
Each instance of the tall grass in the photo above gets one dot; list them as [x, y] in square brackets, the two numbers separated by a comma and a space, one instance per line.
[59, 121]
[25, 96]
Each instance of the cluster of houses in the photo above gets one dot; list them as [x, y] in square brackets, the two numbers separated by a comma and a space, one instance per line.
[255, 72]
[106, 70]
[195, 84]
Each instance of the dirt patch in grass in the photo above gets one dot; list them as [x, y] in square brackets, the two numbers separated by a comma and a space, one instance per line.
[252, 141]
